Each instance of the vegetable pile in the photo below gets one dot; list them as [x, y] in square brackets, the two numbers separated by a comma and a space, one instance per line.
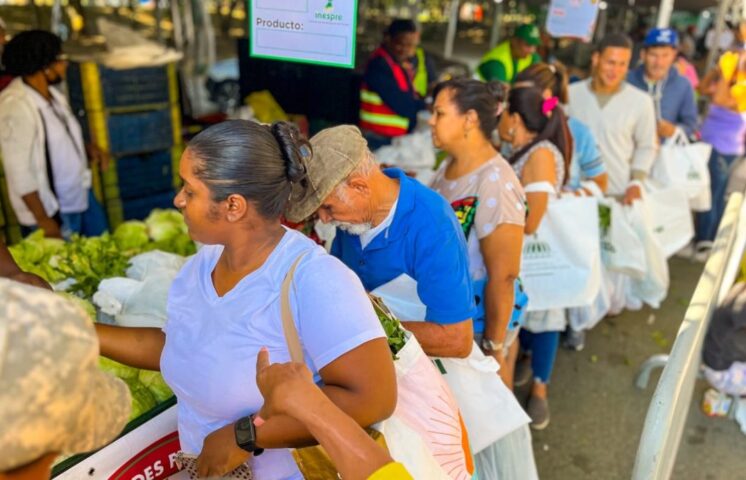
[395, 333]
[78, 267]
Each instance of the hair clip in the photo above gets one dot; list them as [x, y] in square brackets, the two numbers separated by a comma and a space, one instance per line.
[548, 105]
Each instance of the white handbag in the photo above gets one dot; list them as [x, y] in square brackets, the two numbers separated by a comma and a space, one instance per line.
[561, 262]
[621, 248]
[684, 164]
[653, 288]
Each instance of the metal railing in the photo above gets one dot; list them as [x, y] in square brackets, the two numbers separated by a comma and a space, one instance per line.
[667, 414]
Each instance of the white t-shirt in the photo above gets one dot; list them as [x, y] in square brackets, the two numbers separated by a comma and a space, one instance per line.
[66, 153]
[209, 359]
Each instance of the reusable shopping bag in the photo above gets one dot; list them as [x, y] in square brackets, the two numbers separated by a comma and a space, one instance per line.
[621, 248]
[490, 411]
[426, 432]
[684, 164]
[561, 262]
[653, 288]
[673, 224]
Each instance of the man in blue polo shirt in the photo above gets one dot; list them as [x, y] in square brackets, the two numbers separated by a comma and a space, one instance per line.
[400, 237]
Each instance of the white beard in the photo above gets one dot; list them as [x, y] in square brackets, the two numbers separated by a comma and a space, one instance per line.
[353, 228]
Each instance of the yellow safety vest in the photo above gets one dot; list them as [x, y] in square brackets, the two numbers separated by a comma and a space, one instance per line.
[421, 81]
[502, 54]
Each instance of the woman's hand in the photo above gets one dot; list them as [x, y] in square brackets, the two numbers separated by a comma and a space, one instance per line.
[282, 385]
[220, 454]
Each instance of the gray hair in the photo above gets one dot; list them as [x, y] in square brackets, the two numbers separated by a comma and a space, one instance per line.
[367, 166]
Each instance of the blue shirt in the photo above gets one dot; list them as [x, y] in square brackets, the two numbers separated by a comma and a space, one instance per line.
[674, 103]
[586, 158]
[425, 242]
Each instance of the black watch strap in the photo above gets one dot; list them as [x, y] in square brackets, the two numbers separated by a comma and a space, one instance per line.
[245, 432]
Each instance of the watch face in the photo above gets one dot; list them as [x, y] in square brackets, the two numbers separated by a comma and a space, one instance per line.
[245, 433]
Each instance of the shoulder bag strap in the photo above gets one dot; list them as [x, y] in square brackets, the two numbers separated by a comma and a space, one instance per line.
[288, 322]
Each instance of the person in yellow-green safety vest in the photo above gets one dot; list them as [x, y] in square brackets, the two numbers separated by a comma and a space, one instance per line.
[511, 56]
[396, 81]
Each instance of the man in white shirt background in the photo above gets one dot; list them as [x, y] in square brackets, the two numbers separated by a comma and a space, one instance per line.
[44, 156]
[621, 117]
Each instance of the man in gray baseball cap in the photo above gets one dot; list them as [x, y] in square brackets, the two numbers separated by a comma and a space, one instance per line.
[401, 238]
[53, 397]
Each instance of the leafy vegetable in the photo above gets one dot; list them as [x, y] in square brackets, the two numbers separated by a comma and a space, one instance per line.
[397, 336]
[118, 369]
[604, 217]
[131, 236]
[142, 399]
[33, 255]
[157, 386]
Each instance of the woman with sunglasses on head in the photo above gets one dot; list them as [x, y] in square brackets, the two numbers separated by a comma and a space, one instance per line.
[537, 132]
[489, 202]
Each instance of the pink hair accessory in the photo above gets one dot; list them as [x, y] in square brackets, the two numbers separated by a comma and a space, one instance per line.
[549, 105]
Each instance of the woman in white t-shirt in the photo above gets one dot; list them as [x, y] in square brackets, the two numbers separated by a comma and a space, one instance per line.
[538, 133]
[225, 305]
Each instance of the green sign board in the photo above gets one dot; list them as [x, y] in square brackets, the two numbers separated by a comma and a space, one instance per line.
[320, 32]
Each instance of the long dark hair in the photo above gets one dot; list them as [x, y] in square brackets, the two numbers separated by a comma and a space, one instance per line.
[547, 76]
[483, 98]
[527, 101]
[259, 162]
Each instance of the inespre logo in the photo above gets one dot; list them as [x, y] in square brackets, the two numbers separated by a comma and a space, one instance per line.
[327, 13]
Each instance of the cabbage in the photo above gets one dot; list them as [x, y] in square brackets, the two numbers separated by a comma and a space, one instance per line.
[142, 399]
[157, 386]
[131, 236]
[164, 225]
[35, 253]
[117, 369]
[87, 306]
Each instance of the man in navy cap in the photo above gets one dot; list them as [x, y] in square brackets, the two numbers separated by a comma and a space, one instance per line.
[672, 94]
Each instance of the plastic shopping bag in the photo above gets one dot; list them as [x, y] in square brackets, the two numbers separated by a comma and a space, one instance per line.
[621, 248]
[684, 164]
[672, 219]
[585, 318]
[561, 262]
[653, 288]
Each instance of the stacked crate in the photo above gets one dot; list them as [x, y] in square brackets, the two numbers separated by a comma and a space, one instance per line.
[133, 115]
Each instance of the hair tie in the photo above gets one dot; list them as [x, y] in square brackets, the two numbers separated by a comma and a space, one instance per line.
[549, 105]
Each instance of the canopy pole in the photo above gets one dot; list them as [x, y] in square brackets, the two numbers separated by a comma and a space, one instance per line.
[496, 22]
[451, 34]
[714, 53]
[664, 13]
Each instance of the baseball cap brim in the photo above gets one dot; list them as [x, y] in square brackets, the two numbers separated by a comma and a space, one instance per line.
[104, 416]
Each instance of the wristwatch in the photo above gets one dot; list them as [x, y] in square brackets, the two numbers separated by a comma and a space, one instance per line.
[246, 435]
[491, 346]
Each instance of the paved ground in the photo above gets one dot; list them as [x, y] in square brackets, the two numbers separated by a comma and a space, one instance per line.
[598, 413]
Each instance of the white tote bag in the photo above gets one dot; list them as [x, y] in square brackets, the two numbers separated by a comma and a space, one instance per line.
[561, 262]
[621, 248]
[684, 164]
[653, 288]
[670, 213]
[489, 408]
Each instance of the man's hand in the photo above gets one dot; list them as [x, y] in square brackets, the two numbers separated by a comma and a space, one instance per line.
[51, 228]
[98, 157]
[220, 454]
[280, 384]
[30, 279]
[666, 129]
[633, 193]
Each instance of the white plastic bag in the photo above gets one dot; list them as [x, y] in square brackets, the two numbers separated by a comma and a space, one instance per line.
[489, 408]
[684, 164]
[585, 318]
[653, 288]
[672, 219]
[561, 262]
[621, 248]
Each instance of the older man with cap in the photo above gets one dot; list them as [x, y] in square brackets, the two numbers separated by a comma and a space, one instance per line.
[53, 397]
[673, 95]
[511, 56]
[401, 238]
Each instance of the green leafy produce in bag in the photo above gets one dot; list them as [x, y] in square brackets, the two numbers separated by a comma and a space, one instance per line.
[395, 333]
